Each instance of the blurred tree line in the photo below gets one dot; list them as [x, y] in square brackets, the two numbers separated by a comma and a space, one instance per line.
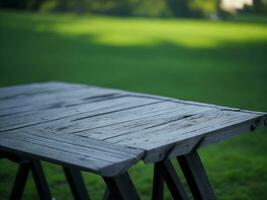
[152, 8]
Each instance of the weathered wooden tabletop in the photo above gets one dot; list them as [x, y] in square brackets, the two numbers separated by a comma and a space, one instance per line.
[106, 130]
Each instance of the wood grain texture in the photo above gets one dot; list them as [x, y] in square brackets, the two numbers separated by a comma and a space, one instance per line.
[85, 153]
[65, 119]
[70, 112]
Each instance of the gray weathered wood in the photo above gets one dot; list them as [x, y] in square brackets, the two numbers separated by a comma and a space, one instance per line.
[180, 137]
[73, 113]
[69, 98]
[29, 90]
[20, 181]
[25, 166]
[76, 183]
[48, 114]
[121, 188]
[172, 180]
[88, 154]
[196, 176]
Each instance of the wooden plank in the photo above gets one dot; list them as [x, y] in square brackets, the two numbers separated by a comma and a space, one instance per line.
[62, 96]
[50, 110]
[160, 127]
[92, 155]
[72, 113]
[186, 127]
[115, 123]
[59, 99]
[117, 131]
[29, 90]
[180, 137]
[187, 102]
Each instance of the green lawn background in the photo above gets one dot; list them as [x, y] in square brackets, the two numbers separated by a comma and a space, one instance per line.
[214, 62]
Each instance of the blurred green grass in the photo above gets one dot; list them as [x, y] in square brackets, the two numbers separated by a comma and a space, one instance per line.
[214, 62]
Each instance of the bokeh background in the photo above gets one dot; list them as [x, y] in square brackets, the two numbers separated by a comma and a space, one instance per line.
[213, 51]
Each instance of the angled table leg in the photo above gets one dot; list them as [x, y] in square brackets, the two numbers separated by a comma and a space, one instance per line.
[172, 180]
[158, 184]
[121, 188]
[106, 194]
[39, 179]
[76, 182]
[20, 180]
[196, 176]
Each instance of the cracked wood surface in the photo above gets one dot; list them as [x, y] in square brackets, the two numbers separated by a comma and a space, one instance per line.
[105, 130]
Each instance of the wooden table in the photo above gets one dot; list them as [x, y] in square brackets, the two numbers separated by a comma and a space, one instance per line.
[106, 131]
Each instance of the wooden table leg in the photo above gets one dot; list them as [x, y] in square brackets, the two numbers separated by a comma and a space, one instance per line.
[121, 188]
[20, 180]
[39, 179]
[196, 176]
[172, 180]
[158, 184]
[107, 194]
[76, 182]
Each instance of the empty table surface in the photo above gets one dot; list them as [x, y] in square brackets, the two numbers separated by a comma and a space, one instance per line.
[106, 130]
